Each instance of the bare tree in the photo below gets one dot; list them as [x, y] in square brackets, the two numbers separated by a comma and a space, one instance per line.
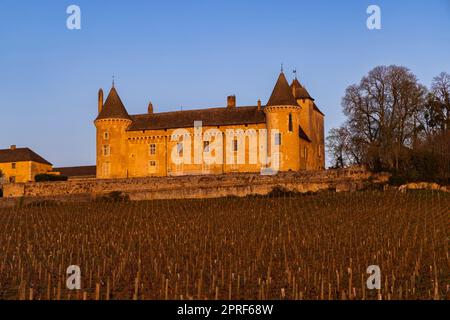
[383, 111]
[336, 146]
[396, 124]
[440, 89]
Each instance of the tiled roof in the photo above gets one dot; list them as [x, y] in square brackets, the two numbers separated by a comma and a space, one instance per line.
[282, 93]
[77, 171]
[209, 117]
[113, 107]
[21, 154]
[299, 91]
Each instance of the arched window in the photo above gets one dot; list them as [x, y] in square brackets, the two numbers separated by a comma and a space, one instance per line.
[290, 123]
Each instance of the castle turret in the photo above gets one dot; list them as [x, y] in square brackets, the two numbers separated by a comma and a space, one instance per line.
[111, 123]
[312, 123]
[283, 114]
[306, 102]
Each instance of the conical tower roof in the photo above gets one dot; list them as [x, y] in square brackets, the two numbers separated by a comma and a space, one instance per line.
[299, 91]
[113, 107]
[282, 93]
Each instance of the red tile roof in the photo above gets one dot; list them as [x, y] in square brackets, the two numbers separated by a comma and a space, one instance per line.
[282, 93]
[21, 154]
[113, 107]
[209, 117]
[77, 171]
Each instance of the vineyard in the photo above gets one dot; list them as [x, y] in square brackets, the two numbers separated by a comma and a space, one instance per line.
[282, 246]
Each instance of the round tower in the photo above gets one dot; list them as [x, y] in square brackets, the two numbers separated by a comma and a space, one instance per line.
[112, 147]
[283, 119]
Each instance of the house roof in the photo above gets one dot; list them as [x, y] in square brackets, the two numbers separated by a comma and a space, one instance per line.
[113, 107]
[282, 93]
[209, 117]
[21, 154]
[77, 171]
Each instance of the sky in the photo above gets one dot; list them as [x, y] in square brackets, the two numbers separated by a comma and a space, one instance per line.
[193, 54]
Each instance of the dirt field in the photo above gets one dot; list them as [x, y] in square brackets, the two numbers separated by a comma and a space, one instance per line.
[278, 247]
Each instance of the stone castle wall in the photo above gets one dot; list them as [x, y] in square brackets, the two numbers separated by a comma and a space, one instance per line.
[211, 186]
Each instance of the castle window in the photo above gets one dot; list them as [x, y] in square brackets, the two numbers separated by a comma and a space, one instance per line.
[152, 166]
[12, 179]
[205, 146]
[235, 145]
[106, 150]
[106, 135]
[290, 123]
[180, 149]
[320, 151]
[106, 169]
[305, 152]
[278, 139]
[153, 149]
[13, 165]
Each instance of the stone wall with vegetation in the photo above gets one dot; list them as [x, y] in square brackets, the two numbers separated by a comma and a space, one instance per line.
[198, 186]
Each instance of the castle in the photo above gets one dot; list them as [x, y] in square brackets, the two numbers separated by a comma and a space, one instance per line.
[145, 144]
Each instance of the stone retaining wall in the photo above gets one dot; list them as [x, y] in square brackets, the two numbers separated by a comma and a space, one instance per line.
[197, 186]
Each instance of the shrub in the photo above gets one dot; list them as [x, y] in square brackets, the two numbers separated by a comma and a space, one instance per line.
[280, 191]
[397, 180]
[114, 196]
[44, 177]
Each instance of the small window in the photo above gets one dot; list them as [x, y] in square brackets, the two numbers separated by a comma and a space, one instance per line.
[320, 151]
[153, 149]
[205, 146]
[106, 135]
[235, 145]
[278, 139]
[305, 152]
[12, 179]
[13, 165]
[106, 169]
[106, 150]
[290, 123]
[152, 166]
[180, 149]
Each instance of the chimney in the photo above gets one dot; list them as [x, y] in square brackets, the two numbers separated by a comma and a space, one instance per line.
[100, 100]
[150, 108]
[259, 104]
[231, 102]
[13, 147]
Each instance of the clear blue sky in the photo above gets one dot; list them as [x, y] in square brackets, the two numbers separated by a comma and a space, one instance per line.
[193, 54]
